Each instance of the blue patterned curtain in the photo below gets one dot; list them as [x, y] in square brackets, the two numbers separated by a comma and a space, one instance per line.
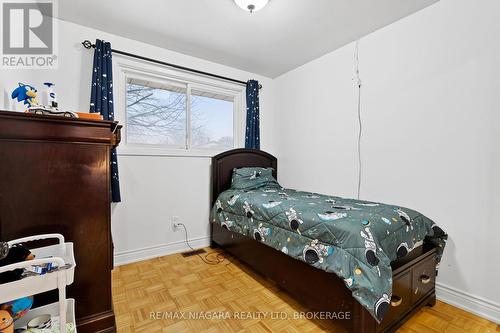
[252, 135]
[101, 101]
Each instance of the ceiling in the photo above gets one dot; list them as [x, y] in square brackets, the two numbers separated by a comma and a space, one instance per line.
[278, 38]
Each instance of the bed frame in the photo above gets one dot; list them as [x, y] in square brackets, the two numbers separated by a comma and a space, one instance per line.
[413, 275]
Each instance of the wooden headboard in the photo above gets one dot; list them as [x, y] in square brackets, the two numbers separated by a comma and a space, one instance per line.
[224, 163]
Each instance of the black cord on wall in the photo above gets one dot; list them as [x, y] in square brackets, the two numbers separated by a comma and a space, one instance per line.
[360, 131]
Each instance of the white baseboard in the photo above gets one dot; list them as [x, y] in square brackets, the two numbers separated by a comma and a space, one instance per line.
[127, 257]
[471, 303]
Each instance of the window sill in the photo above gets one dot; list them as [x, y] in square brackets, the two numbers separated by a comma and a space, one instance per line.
[129, 151]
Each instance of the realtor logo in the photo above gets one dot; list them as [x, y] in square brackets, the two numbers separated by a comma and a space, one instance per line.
[28, 34]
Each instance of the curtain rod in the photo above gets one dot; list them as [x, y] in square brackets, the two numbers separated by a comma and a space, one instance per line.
[88, 45]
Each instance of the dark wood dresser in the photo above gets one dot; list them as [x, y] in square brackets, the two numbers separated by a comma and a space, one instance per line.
[55, 177]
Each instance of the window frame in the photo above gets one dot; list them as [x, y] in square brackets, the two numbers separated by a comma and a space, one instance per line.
[128, 69]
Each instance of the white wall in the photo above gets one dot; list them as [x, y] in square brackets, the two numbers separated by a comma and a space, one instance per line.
[431, 136]
[154, 188]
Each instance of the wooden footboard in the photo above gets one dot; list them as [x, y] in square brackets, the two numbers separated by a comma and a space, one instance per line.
[413, 282]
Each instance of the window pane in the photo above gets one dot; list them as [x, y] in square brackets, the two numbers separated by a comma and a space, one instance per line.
[211, 121]
[156, 114]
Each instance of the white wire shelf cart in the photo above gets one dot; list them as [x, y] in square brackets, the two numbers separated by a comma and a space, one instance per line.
[59, 255]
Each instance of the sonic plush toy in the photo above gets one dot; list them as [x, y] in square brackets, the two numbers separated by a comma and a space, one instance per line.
[25, 93]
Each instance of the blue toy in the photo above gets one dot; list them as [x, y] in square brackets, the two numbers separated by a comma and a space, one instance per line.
[26, 94]
[19, 307]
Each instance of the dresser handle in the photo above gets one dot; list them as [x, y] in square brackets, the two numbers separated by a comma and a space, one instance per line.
[396, 300]
[425, 279]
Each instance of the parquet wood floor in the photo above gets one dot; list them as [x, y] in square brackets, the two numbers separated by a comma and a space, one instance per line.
[153, 295]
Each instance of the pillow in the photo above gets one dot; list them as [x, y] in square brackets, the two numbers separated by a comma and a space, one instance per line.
[250, 178]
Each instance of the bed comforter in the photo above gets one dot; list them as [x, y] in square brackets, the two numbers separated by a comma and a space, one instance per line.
[357, 240]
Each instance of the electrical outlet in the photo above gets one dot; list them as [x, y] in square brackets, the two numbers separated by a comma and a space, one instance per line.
[175, 223]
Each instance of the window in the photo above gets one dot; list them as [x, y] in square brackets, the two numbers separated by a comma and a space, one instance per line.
[211, 121]
[156, 114]
[171, 115]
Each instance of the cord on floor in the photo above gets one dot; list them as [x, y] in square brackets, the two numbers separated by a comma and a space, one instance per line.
[219, 257]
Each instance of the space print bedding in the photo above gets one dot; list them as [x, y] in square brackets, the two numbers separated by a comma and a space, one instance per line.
[357, 240]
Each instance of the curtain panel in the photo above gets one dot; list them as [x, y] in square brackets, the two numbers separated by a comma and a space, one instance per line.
[252, 135]
[101, 101]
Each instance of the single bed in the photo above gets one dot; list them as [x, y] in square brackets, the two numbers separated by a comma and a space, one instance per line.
[413, 276]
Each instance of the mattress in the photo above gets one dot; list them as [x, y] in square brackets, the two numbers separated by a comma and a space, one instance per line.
[356, 240]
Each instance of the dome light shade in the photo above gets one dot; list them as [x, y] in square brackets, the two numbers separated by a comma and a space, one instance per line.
[251, 5]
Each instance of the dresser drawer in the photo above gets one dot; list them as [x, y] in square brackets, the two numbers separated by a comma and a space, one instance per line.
[423, 278]
[401, 298]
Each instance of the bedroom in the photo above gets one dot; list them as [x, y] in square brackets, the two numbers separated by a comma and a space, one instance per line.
[427, 108]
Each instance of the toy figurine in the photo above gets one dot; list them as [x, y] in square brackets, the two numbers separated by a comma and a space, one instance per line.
[6, 322]
[49, 95]
[26, 94]
[19, 307]
[4, 249]
[16, 253]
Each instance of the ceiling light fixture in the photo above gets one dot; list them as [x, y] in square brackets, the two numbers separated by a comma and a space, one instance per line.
[251, 5]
